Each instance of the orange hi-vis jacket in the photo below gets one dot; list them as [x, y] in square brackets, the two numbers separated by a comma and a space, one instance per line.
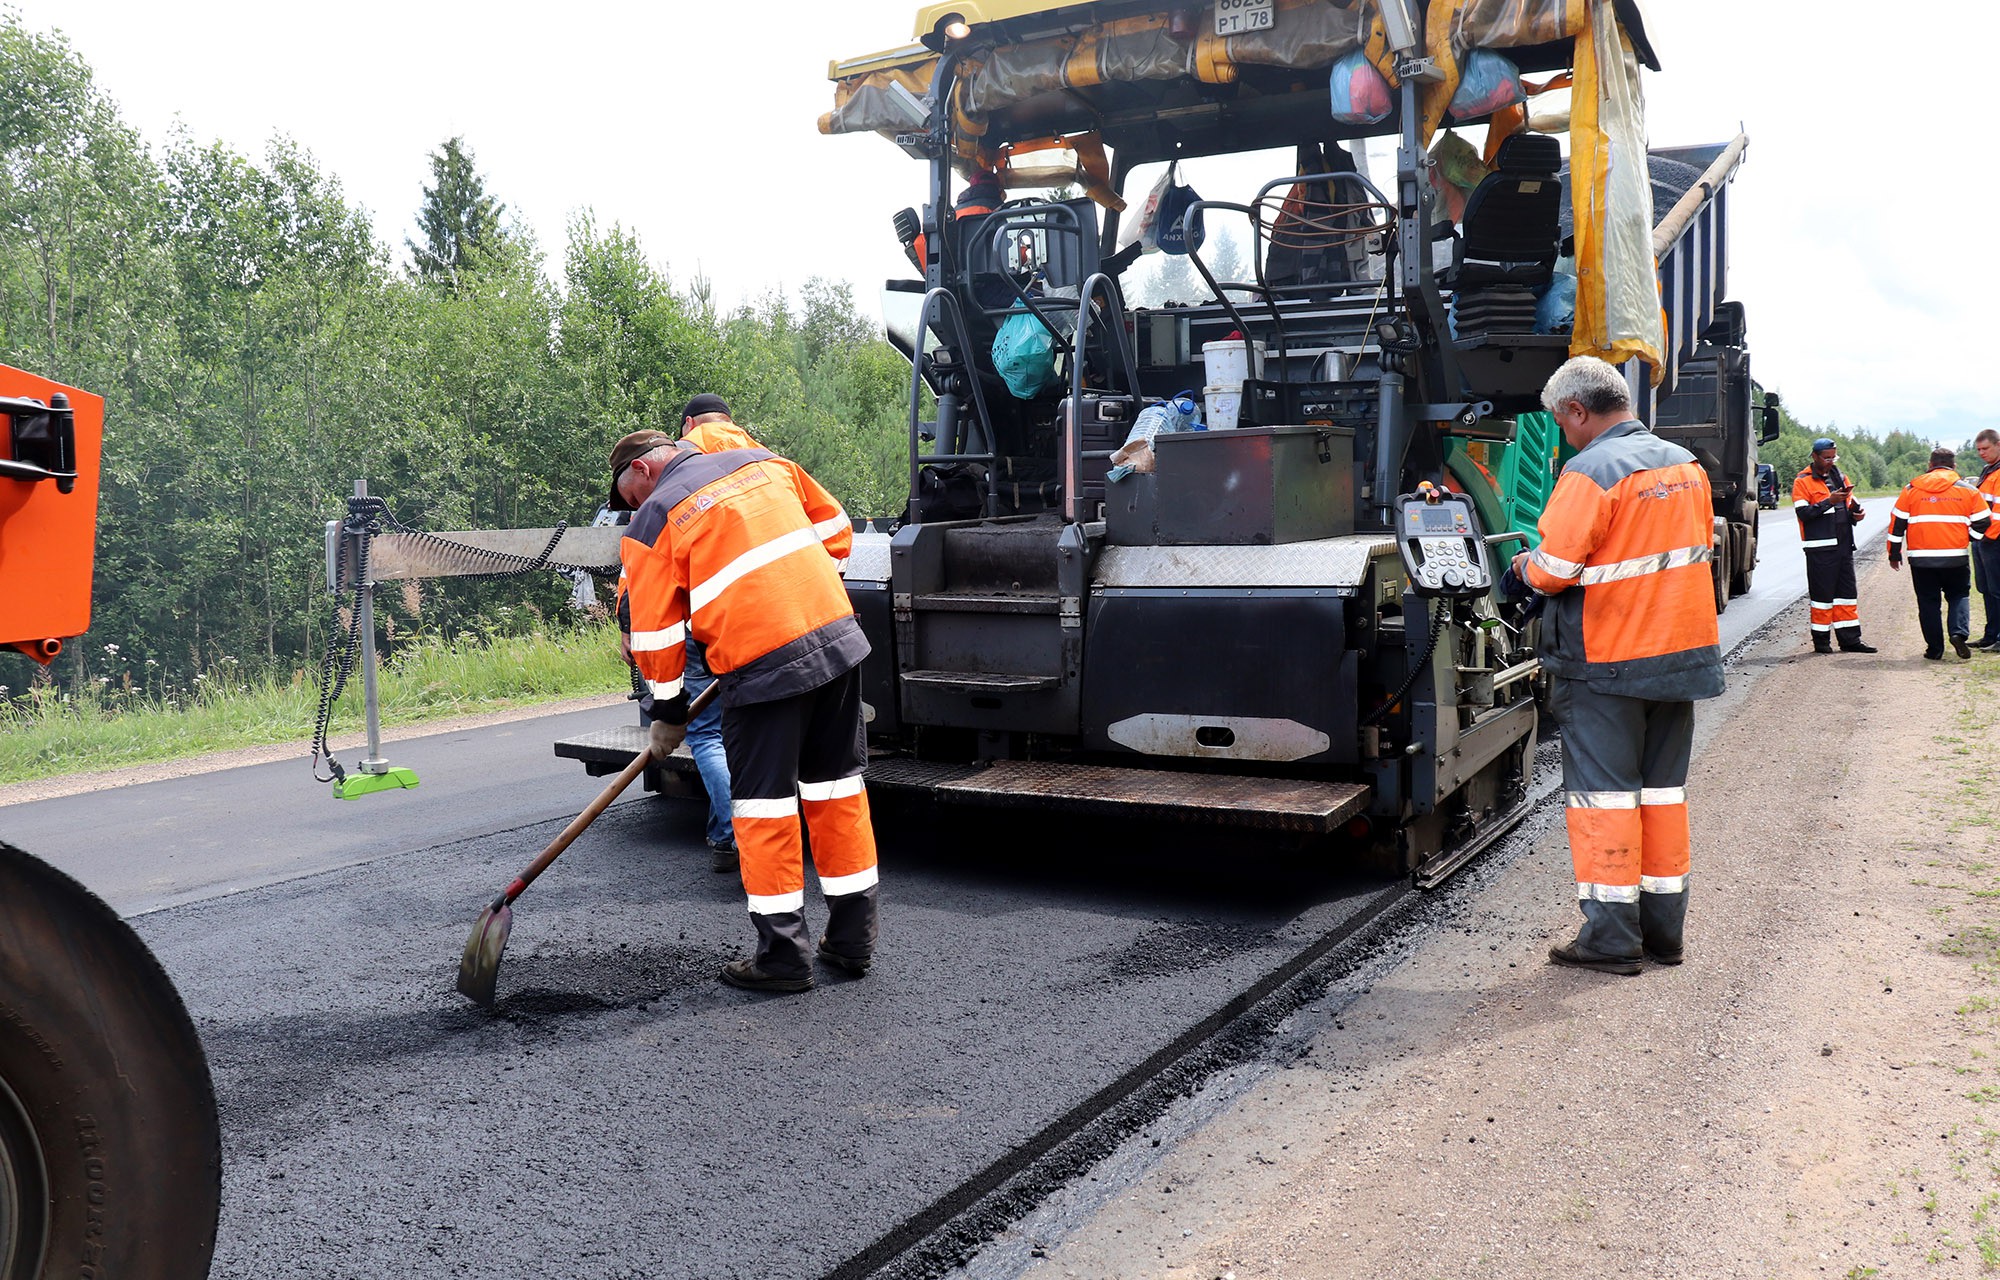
[741, 550]
[1935, 519]
[1989, 487]
[1824, 520]
[714, 437]
[1625, 552]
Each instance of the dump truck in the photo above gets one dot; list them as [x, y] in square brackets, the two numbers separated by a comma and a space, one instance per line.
[1288, 622]
[110, 1149]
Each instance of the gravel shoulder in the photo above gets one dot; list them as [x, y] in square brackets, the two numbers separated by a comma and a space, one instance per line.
[1813, 1094]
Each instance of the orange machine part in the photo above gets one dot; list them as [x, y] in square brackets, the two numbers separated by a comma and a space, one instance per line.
[47, 538]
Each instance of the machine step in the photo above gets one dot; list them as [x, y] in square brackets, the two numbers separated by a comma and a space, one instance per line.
[1171, 795]
[976, 602]
[980, 681]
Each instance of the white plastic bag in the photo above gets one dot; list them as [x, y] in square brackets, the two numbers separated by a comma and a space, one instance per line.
[1145, 228]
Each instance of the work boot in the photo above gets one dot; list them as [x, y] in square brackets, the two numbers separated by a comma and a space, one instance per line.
[1822, 645]
[1933, 655]
[722, 855]
[1960, 647]
[1571, 957]
[855, 966]
[1859, 647]
[1988, 646]
[1666, 957]
[746, 974]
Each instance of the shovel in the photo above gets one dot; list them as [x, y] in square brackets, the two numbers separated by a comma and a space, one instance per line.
[479, 967]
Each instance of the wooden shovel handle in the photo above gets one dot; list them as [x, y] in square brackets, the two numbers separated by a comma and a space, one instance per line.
[599, 805]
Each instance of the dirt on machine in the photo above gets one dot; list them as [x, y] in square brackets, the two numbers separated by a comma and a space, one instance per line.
[1289, 620]
[110, 1150]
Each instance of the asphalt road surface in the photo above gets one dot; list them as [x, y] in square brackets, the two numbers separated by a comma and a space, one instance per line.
[622, 1113]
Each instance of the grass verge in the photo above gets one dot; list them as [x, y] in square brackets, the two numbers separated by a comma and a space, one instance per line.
[45, 731]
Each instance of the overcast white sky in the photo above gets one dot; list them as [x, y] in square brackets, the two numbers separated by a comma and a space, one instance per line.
[1861, 239]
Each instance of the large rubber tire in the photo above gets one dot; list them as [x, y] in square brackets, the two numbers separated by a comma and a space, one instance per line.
[1719, 573]
[110, 1153]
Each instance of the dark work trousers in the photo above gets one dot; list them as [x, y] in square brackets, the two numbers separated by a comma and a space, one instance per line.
[1949, 582]
[1625, 765]
[1832, 596]
[793, 757]
[1986, 574]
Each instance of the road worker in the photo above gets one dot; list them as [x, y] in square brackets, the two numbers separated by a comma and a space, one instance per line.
[1986, 551]
[706, 424]
[1823, 500]
[1630, 639]
[741, 550]
[1936, 518]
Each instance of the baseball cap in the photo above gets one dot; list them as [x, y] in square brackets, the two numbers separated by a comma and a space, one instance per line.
[1822, 444]
[706, 402]
[636, 445]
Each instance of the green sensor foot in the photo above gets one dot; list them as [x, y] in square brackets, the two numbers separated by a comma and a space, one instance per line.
[355, 785]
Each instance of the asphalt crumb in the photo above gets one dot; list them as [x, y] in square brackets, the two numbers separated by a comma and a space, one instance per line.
[1179, 946]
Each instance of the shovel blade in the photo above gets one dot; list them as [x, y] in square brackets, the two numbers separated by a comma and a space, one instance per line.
[479, 967]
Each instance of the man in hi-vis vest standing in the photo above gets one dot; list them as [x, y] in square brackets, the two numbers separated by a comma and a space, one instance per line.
[742, 551]
[1823, 500]
[1630, 639]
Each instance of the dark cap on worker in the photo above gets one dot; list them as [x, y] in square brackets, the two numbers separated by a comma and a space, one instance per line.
[706, 402]
[636, 445]
[1824, 445]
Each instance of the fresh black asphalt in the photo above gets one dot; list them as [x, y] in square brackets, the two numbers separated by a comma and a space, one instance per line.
[621, 1113]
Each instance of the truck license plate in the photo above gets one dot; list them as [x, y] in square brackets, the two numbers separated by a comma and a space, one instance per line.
[1234, 17]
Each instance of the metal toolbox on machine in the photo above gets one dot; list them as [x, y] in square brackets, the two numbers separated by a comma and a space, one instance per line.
[1252, 486]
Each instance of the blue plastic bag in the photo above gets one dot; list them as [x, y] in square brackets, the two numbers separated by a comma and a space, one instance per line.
[1174, 204]
[1024, 354]
[1487, 81]
[1360, 94]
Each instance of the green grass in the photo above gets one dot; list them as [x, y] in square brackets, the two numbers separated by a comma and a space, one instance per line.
[45, 732]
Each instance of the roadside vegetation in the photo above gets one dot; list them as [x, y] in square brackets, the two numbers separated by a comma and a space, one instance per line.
[143, 715]
[259, 348]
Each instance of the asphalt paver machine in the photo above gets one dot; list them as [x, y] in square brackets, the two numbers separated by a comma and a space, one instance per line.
[1289, 623]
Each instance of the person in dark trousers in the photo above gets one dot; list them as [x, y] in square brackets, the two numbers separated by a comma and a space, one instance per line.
[739, 550]
[1823, 499]
[1986, 551]
[1935, 522]
[1629, 636]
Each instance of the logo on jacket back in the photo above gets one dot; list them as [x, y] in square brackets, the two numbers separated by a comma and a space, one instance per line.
[1663, 489]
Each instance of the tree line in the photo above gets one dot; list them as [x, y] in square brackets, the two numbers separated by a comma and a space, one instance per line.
[259, 349]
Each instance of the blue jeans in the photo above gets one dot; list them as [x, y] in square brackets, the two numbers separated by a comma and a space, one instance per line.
[1986, 576]
[704, 739]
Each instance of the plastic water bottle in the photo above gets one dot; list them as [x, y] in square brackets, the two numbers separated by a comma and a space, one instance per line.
[1181, 413]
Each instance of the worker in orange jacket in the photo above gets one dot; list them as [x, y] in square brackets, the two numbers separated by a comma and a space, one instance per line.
[1935, 520]
[741, 550]
[708, 425]
[1823, 500]
[1986, 551]
[1630, 639]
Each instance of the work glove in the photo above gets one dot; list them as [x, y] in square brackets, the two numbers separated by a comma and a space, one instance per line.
[664, 737]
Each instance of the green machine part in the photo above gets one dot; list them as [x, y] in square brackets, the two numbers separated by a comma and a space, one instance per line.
[356, 785]
[1509, 484]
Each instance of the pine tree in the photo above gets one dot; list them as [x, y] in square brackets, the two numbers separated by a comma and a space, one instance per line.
[458, 219]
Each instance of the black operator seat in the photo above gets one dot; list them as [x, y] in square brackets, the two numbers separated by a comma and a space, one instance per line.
[1509, 240]
[1511, 232]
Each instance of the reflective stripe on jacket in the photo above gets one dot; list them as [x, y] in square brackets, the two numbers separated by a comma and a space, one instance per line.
[1824, 520]
[742, 550]
[1989, 485]
[1631, 523]
[1936, 518]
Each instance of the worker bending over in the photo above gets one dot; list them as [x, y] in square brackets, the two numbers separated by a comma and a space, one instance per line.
[741, 550]
[1631, 642]
[1823, 500]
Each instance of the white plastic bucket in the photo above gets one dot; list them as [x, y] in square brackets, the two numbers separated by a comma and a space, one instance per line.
[1227, 364]
[1221, 406]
